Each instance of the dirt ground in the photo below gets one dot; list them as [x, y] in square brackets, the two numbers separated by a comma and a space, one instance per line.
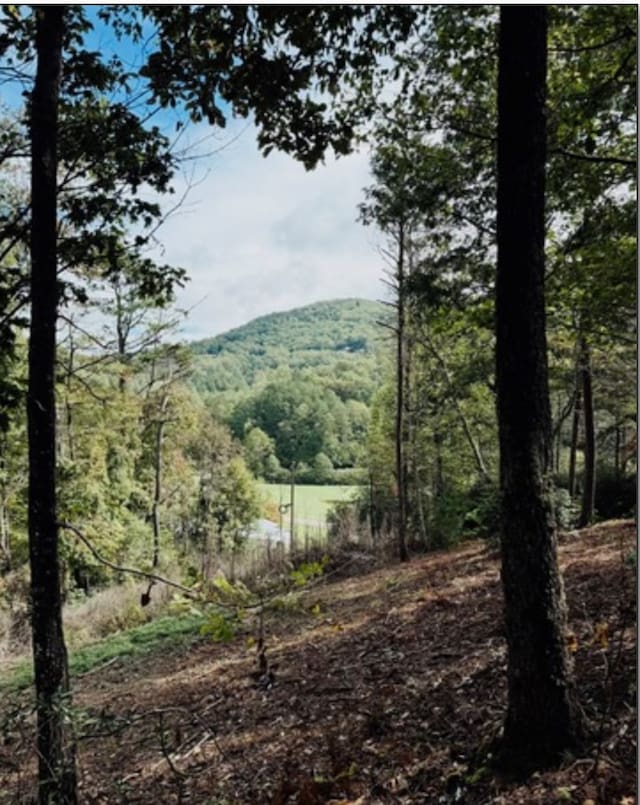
[384, 687]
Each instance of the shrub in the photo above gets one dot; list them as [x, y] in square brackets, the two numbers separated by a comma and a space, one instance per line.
[482, 517]
[615, 495]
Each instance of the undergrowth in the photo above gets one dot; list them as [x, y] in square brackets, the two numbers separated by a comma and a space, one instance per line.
[139, 640]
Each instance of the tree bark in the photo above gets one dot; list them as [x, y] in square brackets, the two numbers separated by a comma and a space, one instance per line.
[5, 542]
[292, 537]
[589, 481]
[542, 716]
[56, 750]
[400, 400]
[575, 432]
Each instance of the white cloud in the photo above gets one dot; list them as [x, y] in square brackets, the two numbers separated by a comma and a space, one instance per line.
[259, 235]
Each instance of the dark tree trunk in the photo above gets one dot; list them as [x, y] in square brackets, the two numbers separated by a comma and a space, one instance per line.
[589, 481]
[575, 432]
[558, 445]
[400, 435]
[56, 751]
[542, 719]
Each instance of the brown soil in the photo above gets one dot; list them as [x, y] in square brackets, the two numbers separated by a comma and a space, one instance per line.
[389, 688]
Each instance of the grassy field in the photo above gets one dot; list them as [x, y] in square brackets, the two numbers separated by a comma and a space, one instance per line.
[311, 502]
[169, 630]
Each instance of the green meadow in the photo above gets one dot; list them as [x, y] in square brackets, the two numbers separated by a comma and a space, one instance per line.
[311, 502]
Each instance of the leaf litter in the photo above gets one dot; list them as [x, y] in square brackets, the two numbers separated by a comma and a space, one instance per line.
[389, 687]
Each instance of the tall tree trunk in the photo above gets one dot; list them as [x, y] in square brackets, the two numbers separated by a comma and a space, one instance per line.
[372, 511]
[5, 542]
[575, 432]
[400, 400]
[67, 401]
[56, 751]
[542, 717]
[558, 442]
[292, 537]
[157, 469]
[438, 475]
[589, 481]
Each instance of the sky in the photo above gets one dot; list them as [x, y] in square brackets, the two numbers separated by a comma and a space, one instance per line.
[255, 235]
[258, 235]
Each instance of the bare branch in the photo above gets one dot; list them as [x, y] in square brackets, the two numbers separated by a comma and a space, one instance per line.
[133, 571]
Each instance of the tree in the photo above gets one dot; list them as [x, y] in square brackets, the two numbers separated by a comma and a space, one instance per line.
[542, 716]
[258, 449]
[394, 204]
[56, 749]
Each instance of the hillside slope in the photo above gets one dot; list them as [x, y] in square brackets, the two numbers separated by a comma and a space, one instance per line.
[388, 688]
[339, 336]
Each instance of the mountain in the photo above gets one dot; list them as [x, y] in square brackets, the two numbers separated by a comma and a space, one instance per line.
[338, 342]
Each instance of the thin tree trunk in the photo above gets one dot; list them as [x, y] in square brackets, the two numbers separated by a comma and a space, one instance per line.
[372, 511]
[475, 447]
[589, 482]
[417, 479]
[575, 432]
[558, 444]
[5, 542]
[438, 475]
[400, 403]
[157, 491]
[542, 717]
[56, 750]
[5, 545]
[67, 402]
[292, 538]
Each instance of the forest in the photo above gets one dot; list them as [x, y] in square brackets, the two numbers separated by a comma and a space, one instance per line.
[462, 628]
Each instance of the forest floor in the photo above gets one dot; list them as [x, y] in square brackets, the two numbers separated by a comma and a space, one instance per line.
[389, 688]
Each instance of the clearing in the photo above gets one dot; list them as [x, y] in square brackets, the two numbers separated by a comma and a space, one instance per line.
[312, 502]
[389, 687]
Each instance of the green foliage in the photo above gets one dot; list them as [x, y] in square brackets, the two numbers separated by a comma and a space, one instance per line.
[225, 605]
[307, 571]
[259, 454]
[482, 515]
[309, 371]
[616, 495]
[323, 335]
[221, 625]
[565, 509]
[169, 631]
[228, 504]
[292, 68]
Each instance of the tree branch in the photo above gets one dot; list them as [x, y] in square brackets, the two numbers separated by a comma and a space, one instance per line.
[131, 570]
[629, 163]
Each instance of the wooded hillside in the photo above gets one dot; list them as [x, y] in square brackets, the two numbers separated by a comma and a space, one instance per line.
[327, 359]
[501, 406]
[338, 341]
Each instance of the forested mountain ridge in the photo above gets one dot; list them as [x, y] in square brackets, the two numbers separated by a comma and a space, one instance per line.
[334, 337]
[315, 369]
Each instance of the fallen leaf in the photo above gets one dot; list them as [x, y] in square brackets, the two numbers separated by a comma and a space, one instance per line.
[601, 635]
